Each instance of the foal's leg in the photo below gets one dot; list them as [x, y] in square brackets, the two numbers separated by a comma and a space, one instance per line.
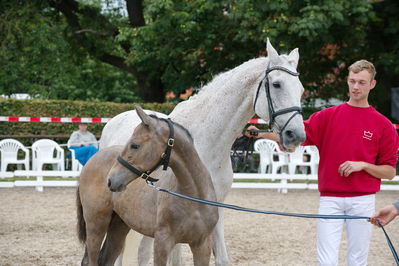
[96, 229]
[85, 260]
[114, 241]
[202, 252]
[163, 245]
[219, 246]
[146, 248]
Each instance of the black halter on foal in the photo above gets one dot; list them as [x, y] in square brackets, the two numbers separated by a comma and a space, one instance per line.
[165, 156]
[272, 113]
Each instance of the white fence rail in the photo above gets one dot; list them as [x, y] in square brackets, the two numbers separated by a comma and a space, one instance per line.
[283, 182]
[39, 183]
[280, 182]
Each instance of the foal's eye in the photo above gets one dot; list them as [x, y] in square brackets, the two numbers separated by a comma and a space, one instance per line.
[276, 85]
[134, 146]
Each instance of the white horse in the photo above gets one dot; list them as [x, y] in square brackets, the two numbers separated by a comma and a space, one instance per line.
[268, 86]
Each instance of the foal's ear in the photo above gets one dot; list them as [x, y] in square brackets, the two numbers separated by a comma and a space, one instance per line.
[146, 119]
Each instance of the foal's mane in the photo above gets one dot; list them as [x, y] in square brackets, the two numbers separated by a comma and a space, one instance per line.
[185, 130]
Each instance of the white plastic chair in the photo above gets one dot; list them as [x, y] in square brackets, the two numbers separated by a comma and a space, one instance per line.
[265, 156]
[9, 154]
[47, 151]
[278, 159]
[314, 158]
[297, 160]
[76, 165]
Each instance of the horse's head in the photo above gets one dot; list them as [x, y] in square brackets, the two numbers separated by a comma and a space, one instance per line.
[148, 148]
[278, 98]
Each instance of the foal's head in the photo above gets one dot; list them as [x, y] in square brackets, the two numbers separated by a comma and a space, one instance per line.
[148, 147]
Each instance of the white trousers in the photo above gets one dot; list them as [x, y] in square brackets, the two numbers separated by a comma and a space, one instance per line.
[329, 231]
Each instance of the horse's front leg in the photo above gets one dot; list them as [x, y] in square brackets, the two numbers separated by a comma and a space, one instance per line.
[163, 245]
[219, 246]
[202, 252]
[114, 241]
[145, 252]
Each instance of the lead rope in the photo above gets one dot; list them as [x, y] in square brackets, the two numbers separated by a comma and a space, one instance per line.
[299, 215]
[391, 247]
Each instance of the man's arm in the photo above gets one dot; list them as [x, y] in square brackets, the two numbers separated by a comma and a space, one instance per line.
[74, 140]
[386, 214]
[378, 171]
[261, 135]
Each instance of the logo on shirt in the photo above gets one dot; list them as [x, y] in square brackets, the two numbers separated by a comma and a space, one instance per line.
[367, 135]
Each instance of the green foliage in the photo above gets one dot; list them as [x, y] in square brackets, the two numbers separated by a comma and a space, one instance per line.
[185, 43]
[191, 41]
[37, 60]
[382, 48]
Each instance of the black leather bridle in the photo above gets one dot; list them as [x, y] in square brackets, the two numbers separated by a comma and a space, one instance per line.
[165, 156]
[272, 113]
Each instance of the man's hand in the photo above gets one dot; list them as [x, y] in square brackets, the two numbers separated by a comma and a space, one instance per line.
[378, 171]
[385, 215]
[349, 167]
[252, 132]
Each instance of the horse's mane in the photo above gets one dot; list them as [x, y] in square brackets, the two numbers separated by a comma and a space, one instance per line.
[221, 78]
[190, 137]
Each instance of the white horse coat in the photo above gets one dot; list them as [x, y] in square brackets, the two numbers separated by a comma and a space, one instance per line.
[217, 114]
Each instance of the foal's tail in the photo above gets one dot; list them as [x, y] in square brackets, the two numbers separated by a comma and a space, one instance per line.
[81, 226]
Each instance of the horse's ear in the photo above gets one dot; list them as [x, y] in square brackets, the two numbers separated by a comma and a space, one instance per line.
[146, 119]
[271, 52]
[293, 57]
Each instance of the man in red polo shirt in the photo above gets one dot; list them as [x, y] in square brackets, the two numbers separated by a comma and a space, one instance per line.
[357, 147]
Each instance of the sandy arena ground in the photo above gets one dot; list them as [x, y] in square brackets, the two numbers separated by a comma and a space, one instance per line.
[40, 229]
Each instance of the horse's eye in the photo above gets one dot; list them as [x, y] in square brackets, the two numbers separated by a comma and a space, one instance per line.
[134, 146]
[276, 85]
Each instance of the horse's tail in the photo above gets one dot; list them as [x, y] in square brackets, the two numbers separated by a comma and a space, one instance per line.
[81, 225]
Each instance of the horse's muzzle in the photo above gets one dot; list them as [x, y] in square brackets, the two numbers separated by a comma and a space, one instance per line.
[115, 187]
[292, 138]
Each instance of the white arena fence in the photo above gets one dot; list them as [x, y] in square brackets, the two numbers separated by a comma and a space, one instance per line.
[281, 182]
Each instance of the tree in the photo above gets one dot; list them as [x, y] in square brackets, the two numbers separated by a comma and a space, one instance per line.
[382, 47]
[96, 33]
[171, 45]
[177, 44]
[37, 60]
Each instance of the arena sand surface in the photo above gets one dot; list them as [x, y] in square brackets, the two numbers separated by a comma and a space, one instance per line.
[40, 229]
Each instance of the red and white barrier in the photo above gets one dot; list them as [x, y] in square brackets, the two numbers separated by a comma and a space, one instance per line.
[54, 119]
[91, 120]
[257, 121]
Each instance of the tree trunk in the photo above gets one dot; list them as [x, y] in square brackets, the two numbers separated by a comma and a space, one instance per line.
[150, 88]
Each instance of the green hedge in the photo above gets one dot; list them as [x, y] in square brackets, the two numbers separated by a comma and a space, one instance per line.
[62, 108]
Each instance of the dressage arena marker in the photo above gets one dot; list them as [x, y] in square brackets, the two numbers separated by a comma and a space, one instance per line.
[298, 215]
